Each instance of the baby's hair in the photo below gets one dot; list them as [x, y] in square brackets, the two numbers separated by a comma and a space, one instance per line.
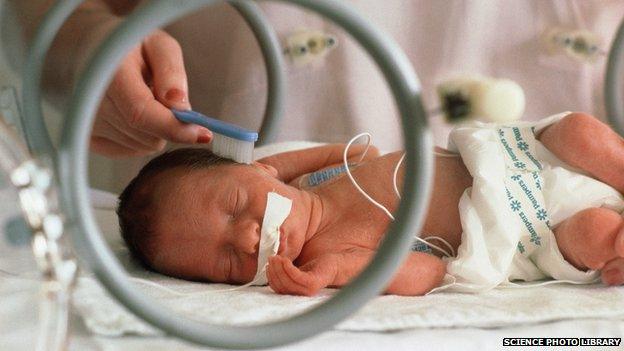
[136, 208]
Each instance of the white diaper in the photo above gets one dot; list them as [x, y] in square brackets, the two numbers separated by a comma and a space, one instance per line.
[520, 192]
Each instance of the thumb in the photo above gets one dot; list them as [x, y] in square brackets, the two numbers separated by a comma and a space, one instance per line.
[164, 57]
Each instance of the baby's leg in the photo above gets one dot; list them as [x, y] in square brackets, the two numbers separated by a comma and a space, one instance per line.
[584, 142]
[594, 239]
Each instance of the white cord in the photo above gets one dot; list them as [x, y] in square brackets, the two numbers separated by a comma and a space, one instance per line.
[199, 293]
[396, 190]
[433, 237]
[357, 186]
[441, 154]
[394, 176]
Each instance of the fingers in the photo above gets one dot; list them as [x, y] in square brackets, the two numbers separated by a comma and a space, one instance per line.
[104, 130]
[285, 278]
[274, 280]
[164, 57]
[140, 111]
[106, 126]
[613, 272]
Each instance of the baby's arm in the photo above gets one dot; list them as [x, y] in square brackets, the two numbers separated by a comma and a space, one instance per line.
[419, 273]
[293, 164]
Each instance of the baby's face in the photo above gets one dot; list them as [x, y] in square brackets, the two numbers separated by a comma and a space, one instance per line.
[209, 220]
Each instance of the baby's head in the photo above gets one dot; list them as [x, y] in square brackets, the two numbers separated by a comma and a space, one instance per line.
[194, 215]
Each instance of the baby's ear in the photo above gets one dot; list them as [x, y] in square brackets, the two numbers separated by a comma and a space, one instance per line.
[268, 168]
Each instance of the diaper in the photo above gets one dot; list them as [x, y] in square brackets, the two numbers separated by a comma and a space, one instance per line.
[520, 192]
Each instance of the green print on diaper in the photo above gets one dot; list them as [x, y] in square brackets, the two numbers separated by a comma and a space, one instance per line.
[518, 148]
[524, 146]
[523, 186]
[538, 180]
[529, 194]
[521, 247]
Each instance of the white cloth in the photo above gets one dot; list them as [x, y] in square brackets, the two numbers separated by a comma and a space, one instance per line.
[255, 305]
[520, 191]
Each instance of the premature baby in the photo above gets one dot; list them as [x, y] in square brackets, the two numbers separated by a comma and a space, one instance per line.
[196, 216]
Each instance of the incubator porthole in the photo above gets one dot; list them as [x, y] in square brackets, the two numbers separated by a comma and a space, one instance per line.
[99, 257]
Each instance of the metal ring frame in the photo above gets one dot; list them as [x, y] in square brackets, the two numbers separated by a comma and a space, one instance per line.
[72, 170]
[613, 90]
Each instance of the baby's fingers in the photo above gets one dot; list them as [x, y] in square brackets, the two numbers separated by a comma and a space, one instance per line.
[274, 280]
[295, 281]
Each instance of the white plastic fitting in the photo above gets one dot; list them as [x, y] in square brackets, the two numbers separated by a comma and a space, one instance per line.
[481, 98]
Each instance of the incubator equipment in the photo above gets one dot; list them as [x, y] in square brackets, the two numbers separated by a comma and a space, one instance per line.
[69, 165]
[51, 187]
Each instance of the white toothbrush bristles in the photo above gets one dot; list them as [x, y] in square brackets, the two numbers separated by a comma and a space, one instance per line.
[237, 150]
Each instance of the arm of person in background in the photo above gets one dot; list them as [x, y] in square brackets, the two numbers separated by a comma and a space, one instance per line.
[134, 117]
[293, 164]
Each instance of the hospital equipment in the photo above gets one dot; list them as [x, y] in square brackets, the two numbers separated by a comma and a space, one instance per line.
[305, 46]
[69, 163]
[581, 45]
[613, 89]
[482, 98]
[228, 141]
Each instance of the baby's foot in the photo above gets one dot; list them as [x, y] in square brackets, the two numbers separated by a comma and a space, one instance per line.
[594, 239]
[613, 272]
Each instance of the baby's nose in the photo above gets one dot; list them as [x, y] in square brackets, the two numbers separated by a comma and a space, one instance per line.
[249, 237]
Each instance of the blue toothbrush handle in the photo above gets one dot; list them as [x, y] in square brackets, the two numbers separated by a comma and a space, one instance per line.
[215, 125]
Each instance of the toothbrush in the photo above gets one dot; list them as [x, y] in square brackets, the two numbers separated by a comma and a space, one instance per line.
[229, 141]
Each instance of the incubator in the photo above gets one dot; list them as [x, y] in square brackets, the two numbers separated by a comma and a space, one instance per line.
[45, 190]
[69, 165]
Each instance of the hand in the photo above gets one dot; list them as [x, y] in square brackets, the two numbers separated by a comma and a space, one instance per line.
[285, 278]
[134, 117]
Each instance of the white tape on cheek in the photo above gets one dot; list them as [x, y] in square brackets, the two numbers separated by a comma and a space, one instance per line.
[277, 210]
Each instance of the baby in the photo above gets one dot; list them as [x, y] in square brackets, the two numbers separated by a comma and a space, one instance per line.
[193, 215]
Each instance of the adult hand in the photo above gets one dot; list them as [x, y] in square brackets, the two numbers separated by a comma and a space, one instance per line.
[134, 117]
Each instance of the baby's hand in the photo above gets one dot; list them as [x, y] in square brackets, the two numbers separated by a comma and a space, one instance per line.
[285, 278]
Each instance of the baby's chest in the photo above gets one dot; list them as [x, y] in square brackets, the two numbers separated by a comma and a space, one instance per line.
[363, 230]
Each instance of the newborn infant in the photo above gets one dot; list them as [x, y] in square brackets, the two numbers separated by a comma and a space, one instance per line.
[196, 216]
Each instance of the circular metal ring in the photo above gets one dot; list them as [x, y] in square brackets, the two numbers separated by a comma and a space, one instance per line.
[613, 90]
[35, 130]
[72, 169]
